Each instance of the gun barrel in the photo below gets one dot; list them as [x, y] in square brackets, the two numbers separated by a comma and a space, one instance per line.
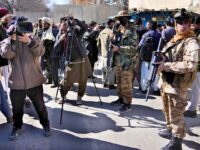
[153, 71]
[147, 95]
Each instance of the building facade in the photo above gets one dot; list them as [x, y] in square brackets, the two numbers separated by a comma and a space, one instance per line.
[160, 4]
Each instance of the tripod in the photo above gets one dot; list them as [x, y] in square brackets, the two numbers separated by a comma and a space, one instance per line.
[66, 60]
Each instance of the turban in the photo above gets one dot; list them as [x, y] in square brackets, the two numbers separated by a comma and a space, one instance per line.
[48, 20]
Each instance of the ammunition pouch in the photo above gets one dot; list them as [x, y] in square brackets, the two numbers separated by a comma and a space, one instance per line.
[126, 62]
[126, 65]
[168, 77]
[3, 61]
[179, 80]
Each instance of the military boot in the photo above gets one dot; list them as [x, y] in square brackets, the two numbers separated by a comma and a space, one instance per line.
[79, 100]
[174, 144]
[190, 113]
[47, 131]
[119, 101]
[15, 134]
[165, 133]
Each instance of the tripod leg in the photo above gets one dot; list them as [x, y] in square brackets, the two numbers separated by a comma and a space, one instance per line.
[61, 112]
[96, 90]
[89, 70]
[58, 88]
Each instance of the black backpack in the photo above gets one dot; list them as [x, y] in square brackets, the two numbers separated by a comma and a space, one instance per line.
[146, 49]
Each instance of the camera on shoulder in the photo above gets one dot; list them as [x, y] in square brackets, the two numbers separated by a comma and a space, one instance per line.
[24, 27]
[19, 26]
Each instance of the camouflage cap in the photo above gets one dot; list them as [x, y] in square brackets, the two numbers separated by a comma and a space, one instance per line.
[123, 13]
[182, 15]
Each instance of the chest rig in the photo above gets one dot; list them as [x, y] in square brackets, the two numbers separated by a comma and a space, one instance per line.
[127, 53]
[175, 53]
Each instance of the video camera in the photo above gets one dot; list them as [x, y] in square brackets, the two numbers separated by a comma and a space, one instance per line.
[69, 20]
[19, 26]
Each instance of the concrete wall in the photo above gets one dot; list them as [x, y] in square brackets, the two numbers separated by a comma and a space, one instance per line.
[159, 4]
[88, 13]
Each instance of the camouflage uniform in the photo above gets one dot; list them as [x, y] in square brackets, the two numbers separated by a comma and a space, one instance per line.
[124, 65]
[178, 73]
[184, 58]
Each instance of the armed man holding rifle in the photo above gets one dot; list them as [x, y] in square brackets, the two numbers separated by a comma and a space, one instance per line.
[125, 57]
[177, 73]
[104, 42]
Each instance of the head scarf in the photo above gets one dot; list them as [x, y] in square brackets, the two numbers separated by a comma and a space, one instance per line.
[48, 34]
[48, 20]
[179, 36]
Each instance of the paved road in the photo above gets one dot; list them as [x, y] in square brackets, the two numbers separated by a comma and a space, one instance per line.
[93, 126]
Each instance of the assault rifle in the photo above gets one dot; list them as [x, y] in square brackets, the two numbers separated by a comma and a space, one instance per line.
[156, 57]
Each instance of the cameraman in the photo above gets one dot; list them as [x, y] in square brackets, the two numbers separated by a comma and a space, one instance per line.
[4, 98]
[70, 46]
[26, 77]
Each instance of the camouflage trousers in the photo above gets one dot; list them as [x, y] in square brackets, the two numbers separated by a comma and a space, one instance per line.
[124, 84]
[173, 108]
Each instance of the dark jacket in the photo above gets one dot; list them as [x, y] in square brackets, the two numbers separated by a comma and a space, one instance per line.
[151, 33]
[3, 35]
[168, 34]
[90, 40]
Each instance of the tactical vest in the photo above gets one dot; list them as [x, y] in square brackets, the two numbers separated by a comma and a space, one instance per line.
[128, 50]
[179, 80]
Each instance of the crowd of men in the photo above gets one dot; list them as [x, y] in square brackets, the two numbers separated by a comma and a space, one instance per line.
[65, 54]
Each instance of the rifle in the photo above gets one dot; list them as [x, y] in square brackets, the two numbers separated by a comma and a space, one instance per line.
[156, 57]
[115, 41]
[110, 54]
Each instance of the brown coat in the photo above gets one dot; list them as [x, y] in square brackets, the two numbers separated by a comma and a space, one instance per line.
[26, 72]
[77, 72]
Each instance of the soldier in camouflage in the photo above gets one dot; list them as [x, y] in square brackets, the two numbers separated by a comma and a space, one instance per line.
[125, 57]
[177, 73]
